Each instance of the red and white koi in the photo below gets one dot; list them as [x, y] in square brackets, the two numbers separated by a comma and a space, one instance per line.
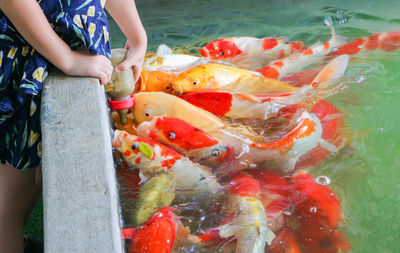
[186, 139]
[154, 158]
[387, 41]
[249, 52]
[298, 61]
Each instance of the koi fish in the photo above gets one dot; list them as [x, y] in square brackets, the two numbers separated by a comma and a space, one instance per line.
[150, 104]
[387, 41]
[234, 106]
[154, 158]
[318, 213]
[186, 139]
[156, 81]
[227, 78]
[295, 62]
[166, 60]
[157, 235]
[283, 153]
[246, 222]
[249, 52]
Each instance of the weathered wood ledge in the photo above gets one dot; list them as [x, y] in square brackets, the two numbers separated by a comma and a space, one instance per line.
[80, 197]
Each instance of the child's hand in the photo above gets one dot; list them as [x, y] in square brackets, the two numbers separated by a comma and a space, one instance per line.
[134, 59]
[86, 64]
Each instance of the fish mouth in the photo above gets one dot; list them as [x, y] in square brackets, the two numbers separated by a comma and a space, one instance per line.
[203, 52]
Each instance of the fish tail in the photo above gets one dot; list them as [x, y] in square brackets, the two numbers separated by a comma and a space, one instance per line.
[335, 40]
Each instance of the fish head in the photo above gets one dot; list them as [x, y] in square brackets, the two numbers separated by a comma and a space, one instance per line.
[192, 79]
[133, 148]
[150, 104]
[177, 132]
[221, 49]
[159, 81]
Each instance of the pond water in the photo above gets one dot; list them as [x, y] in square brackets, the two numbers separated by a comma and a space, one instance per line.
[366, 177]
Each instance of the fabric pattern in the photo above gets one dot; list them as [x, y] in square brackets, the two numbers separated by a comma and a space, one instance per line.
[23, 70]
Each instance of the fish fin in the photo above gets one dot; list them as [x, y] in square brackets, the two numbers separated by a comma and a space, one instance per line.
[328, 146]
[163, 50]
[142, 177]
[227, 230]
[269, 236]
[333, 70]
[251, 98]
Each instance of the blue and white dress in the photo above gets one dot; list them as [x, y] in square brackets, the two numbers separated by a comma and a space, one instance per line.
[23, 69]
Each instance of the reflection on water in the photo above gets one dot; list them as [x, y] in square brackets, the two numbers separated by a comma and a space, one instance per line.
[366, 176]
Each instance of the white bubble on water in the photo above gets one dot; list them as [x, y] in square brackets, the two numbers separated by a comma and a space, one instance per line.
[323, 180]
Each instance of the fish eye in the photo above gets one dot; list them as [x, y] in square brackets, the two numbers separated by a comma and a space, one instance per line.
[167, 88]
[222, 53]
[147, 114]
[135, 145]
[195, 82]
[171, 135]
[216, 152]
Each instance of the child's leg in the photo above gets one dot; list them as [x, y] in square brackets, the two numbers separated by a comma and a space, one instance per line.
[19, 191]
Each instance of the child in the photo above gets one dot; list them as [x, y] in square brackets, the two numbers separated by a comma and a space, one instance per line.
[33, 35]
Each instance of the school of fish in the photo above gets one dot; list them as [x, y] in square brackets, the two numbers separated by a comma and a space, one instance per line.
[216, 151]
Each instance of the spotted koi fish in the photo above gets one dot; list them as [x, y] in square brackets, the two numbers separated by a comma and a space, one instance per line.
[186, 139]
[249, 52]
[153, 158]
[296, 62]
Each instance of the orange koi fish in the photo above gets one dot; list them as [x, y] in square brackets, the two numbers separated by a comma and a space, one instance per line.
[186, 139]
[387, 41]
[233, 105]
[318, 214]
[295, 62]
[153, 158]
[249, 52]
[157, 235]
[227, 78]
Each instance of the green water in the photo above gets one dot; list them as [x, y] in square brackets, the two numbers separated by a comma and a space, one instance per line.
[366, 176]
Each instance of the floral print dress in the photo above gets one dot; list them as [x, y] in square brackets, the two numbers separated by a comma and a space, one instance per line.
[22, 71]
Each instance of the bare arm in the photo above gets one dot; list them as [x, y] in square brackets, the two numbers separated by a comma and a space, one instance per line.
[31, 23]
[125, 14]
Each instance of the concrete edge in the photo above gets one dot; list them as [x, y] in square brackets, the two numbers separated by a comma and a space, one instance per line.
[80, 197]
